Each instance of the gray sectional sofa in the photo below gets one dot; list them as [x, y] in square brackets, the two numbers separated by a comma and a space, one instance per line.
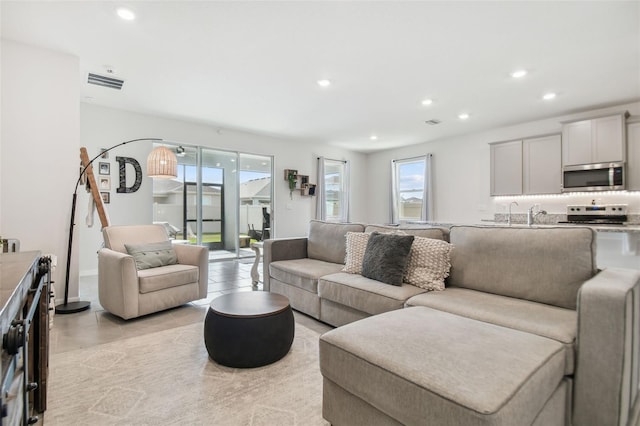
[527, 332]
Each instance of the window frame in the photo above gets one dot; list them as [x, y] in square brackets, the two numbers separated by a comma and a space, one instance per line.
[343, 199]
[427, 203]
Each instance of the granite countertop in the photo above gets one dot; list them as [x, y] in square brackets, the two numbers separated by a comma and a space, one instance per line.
[631, 228]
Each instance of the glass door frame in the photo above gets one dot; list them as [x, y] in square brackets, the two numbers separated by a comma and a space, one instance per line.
[199, 190]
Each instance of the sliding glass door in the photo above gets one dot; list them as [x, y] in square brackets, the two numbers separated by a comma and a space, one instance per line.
[220, 199]
[255, 196]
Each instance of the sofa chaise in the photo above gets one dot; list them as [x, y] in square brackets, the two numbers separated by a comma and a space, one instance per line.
[527, 332]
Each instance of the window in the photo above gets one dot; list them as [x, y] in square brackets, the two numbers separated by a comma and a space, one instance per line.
[332, 190]
[411, 189]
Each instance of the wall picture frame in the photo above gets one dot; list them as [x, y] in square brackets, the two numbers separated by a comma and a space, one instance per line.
[106, 197]
[104, 183]
[104, 168]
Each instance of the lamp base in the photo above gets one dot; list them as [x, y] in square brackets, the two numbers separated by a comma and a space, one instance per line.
[73, 307]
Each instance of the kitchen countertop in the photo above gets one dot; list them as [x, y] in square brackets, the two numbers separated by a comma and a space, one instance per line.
[631, 228]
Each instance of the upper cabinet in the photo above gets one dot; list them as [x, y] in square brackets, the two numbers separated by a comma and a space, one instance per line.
[542, 166]
[599, 140]
[633, 167]
[506, 168]
[527, 166]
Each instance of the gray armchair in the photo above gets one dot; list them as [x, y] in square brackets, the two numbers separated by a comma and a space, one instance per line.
[128, 292]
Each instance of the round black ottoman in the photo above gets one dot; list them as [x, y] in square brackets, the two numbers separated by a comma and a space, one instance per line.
[248, 329]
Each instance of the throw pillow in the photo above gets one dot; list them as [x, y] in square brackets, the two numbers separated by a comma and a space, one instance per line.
[356, 244]
[152, 255]
[386, 256]
[429, 263]
[355, 248]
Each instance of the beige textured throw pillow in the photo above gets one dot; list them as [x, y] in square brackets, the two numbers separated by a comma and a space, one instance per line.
[356, 246]
[429, 263]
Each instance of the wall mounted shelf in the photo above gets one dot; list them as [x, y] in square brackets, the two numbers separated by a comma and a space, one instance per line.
[299, 182]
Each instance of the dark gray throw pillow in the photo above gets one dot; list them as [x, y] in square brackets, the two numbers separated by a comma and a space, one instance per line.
[386, 257]
[152, 255]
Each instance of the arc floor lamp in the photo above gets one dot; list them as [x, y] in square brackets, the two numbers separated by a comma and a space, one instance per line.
[161, 163]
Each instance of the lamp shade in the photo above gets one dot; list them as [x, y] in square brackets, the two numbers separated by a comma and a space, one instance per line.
[162, 163]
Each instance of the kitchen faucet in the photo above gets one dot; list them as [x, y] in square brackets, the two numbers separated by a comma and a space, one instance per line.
[509, 217]
[531, 216]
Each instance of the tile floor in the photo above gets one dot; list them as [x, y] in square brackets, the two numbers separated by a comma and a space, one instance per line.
[96, 326]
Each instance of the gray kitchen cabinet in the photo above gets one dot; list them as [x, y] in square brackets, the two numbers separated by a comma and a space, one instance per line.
[633, 154]
[527, 166]
[542, 165]
[598, 140]
[506, 168]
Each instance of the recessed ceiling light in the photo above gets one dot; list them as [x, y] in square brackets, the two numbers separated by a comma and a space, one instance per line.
[373, 137]
[427, 102]
[324, 83]
[519, 73]
[463, 116]
[126, 14]
[549, 96]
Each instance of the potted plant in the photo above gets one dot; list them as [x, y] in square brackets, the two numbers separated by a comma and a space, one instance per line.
[292, 178]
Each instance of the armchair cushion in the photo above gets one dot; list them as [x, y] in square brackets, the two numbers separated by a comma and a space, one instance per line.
[154, 279]
[152, 255]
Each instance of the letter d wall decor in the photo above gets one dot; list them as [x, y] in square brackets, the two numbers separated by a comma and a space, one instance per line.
[122, 163]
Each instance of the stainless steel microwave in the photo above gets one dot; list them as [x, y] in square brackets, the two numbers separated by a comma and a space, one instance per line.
[593, 177]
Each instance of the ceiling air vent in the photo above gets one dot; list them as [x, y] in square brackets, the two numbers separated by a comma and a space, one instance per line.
[433, 122]
[100, 80]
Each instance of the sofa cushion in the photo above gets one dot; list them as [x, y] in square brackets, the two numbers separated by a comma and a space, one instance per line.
[386, 256]
[546, 265]
[419, 363]
[326, 240]
[152, 255]
[364, 294]
[155, 279]
[302, 273]
[431, 232]
[428, 264]
[553, 322]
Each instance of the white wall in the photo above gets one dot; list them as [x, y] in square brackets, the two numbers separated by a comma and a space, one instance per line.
[39, 151]
[103, 127]
[461, 172]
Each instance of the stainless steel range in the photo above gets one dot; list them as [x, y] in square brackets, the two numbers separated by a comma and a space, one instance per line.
[605, 214]
[25, 281]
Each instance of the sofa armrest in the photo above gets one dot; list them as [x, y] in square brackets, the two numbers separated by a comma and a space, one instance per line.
[606, 377]
[118, 287]
[281, 249]
[196, 256]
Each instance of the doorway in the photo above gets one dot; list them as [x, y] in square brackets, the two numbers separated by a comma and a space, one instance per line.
[220, 199]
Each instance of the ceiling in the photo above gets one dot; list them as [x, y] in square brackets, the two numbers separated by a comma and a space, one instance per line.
[253, 66]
